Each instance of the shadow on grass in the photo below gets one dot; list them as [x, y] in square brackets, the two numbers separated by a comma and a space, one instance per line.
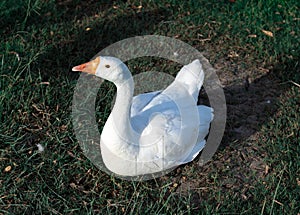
[96, 36]
[249, 109]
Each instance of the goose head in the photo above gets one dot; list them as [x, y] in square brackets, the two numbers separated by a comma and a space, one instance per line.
[109, 68]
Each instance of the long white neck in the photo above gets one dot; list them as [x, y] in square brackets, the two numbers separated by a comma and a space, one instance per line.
[119, 142]
[121, 110]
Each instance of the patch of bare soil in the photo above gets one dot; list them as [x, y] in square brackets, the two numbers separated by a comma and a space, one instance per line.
[251, 94]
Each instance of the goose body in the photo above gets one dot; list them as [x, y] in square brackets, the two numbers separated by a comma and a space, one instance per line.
[155, 131]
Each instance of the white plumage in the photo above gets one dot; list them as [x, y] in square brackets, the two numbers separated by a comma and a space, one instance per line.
[155, 131]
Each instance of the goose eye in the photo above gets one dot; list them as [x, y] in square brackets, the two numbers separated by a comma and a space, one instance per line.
[107, 66]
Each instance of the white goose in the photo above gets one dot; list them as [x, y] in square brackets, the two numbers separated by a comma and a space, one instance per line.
[155, 131]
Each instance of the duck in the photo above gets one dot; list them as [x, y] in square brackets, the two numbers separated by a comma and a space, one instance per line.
[155, 131]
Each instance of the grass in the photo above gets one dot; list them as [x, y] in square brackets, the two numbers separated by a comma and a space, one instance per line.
[255, 170]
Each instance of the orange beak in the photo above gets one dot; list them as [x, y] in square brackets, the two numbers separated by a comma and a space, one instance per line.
[89, 67]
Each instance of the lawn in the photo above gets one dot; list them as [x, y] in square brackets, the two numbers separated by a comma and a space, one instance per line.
[256, 169]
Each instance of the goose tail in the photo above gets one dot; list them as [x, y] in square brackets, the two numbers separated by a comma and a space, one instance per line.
[192, 77]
